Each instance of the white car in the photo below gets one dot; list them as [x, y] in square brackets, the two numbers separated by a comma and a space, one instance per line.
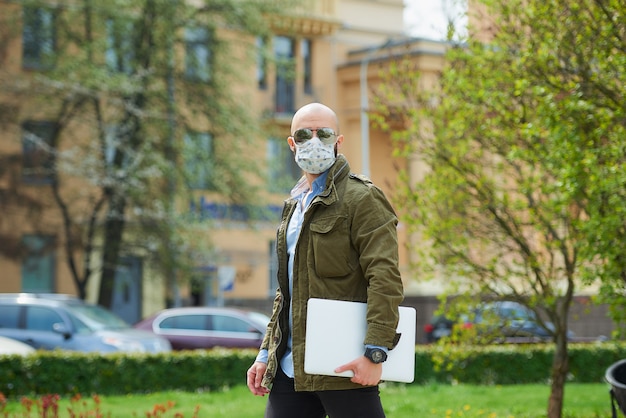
[11, 346]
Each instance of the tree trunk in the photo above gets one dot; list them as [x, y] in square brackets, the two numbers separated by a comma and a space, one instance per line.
[113, 232]
[560, 368]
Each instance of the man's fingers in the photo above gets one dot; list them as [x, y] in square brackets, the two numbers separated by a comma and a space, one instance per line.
[254, 377]
[345, 367]
[258, 379]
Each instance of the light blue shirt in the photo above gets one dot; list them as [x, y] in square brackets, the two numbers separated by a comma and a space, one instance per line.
[304, 197]
[293, 232]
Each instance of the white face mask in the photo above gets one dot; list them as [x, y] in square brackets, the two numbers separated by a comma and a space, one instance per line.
[314, 157]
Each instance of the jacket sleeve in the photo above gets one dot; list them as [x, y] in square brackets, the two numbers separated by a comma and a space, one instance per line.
[272, 326]
[374, 234]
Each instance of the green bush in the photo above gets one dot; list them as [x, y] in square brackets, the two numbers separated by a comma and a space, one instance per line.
[513, 363]
[68, 373]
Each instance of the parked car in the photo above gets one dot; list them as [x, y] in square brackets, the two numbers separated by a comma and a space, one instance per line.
[510, 320]
[190, 328]
[54, 321]
[11, 346]
[441, 326]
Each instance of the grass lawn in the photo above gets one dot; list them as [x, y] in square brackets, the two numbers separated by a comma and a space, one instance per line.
[400, 401]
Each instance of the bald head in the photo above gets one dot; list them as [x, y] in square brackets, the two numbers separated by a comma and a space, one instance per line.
[315, 115]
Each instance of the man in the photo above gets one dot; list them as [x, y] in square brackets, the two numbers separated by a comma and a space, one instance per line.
[337, 240]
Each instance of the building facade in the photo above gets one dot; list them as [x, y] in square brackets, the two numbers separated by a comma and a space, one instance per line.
[330, 51]
[337, 53]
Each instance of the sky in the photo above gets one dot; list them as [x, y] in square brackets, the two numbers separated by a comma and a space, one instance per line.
[428, 18]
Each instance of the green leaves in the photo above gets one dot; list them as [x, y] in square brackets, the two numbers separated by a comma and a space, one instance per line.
[131, 80]
[526, 159]
[520, 190]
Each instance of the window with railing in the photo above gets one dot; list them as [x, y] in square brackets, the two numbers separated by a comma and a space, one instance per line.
[285, 74]
[38, 38]
[38, 152]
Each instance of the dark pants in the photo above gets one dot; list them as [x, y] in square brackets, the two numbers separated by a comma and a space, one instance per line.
[285, 402]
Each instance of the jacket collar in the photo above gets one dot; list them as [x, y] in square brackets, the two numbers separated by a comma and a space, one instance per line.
[338, 172]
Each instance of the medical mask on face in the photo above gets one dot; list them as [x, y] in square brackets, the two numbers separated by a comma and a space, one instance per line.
[315, 157]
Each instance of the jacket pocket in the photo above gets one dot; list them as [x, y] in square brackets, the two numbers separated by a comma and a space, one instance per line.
[330, 239]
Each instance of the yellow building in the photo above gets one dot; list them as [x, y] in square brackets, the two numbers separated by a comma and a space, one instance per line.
[339, 48]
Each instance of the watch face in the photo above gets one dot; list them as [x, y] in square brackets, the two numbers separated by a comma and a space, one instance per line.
[375, 355]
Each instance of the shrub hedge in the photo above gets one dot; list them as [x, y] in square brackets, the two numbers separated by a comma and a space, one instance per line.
[68, 373]
[515, 363]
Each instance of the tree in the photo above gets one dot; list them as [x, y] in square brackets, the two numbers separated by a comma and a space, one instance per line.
[523, 142]
[141, 111]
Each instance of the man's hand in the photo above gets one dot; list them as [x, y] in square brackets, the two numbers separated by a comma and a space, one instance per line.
[255, 376]
[365, 372]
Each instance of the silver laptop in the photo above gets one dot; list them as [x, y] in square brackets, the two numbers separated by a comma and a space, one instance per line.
[335, 331]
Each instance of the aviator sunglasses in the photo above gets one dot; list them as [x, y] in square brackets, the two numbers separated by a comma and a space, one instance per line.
[326, 135]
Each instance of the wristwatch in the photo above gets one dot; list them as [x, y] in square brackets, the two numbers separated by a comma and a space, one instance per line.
[375, 355]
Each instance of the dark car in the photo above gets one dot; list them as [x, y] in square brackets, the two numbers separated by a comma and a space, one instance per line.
[190, 328]
[54, 321]
[509, 320]
[441, 326]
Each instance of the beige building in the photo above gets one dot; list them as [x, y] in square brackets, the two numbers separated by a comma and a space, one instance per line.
[340, 49]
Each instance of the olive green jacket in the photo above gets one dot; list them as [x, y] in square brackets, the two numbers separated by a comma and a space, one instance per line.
[347, 250]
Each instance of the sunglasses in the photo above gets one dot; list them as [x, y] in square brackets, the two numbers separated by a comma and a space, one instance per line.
[326, 135]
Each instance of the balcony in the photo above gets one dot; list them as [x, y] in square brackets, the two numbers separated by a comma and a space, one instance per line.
[310, 18]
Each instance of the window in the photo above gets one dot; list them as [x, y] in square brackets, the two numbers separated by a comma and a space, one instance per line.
[40, 318]
[230, 324]
[10, 316]
[79, 326]
[38, 38]
[283, 169]
[197, 54]
[114, 146]
[119, 55]
[305, 50]
[285, 74]
[39, 264]
[198, 157]
[38, 152]
[261, 65]
[188, 322]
